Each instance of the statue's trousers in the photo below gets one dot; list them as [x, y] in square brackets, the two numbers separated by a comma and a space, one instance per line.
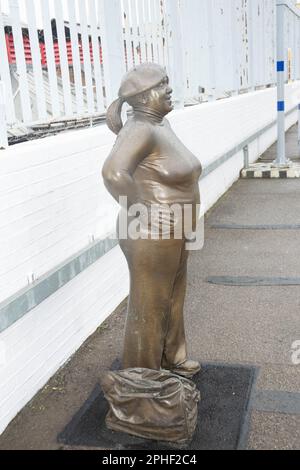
[154, 333]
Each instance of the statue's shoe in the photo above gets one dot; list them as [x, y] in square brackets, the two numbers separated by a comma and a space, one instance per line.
[186, 369]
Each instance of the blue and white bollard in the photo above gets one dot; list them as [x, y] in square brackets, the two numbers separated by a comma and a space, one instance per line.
[281, 157]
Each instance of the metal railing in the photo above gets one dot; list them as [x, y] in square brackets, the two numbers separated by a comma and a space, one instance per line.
[62, 59]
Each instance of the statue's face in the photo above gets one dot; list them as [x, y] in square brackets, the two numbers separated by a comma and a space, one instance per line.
[159, 98]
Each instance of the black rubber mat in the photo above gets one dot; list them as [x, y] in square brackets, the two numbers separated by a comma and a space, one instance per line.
[222, 418]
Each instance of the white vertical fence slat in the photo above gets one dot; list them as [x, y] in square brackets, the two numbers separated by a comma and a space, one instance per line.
[244, 48]
[263, 79]
[197, 52]
[185, 20]
[271, 44]
[211, 49]
[141, 28]
[36, 60]
[164, 29]
[135, 37]
[154, 27]
[147, 30]
[175, 51]
[3, 128]
[50, 59]
[128, 36]
[75, 57]
[20, 60]
[96, 56]
[150, 30]
[295, 52]
[203, 56]
[258, 37]
[286, 15]
[195, 46]
[234, 46]
[63, 56]
[5, 76]
[256, 45]
[86, 56]
[112, 46]
[251, 38]
[297, 49]
[161, 32]
[224, 32]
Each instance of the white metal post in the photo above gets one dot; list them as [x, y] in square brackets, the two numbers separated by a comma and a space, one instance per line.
[111, 29]
[281, 65]
[175, 52]
[3, 129]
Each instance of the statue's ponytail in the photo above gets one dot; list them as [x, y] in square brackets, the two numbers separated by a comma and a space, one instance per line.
[113, 116]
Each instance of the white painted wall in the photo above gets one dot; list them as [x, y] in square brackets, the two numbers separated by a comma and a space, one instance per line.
[52, 202]
[33, 348]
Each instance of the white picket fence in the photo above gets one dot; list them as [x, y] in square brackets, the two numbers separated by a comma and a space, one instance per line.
[211, 49]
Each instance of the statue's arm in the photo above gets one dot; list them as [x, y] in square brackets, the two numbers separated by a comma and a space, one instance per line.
[133, 144]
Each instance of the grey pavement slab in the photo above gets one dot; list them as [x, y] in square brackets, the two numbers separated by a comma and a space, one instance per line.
[277, 402]
[292, 147]
[259, 202]
[230, 325]
[279, 377]
[273, 431]
[248, 253]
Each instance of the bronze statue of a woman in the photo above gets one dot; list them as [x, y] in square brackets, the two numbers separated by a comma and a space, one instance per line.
[150, 165]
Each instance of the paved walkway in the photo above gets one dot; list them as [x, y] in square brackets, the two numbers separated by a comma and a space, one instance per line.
[292, 148]
[250, 324]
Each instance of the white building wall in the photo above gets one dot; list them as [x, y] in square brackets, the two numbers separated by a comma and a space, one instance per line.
[34, 347]
[53, 203]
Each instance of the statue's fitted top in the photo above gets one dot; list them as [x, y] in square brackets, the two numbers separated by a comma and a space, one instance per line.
[163, 170]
